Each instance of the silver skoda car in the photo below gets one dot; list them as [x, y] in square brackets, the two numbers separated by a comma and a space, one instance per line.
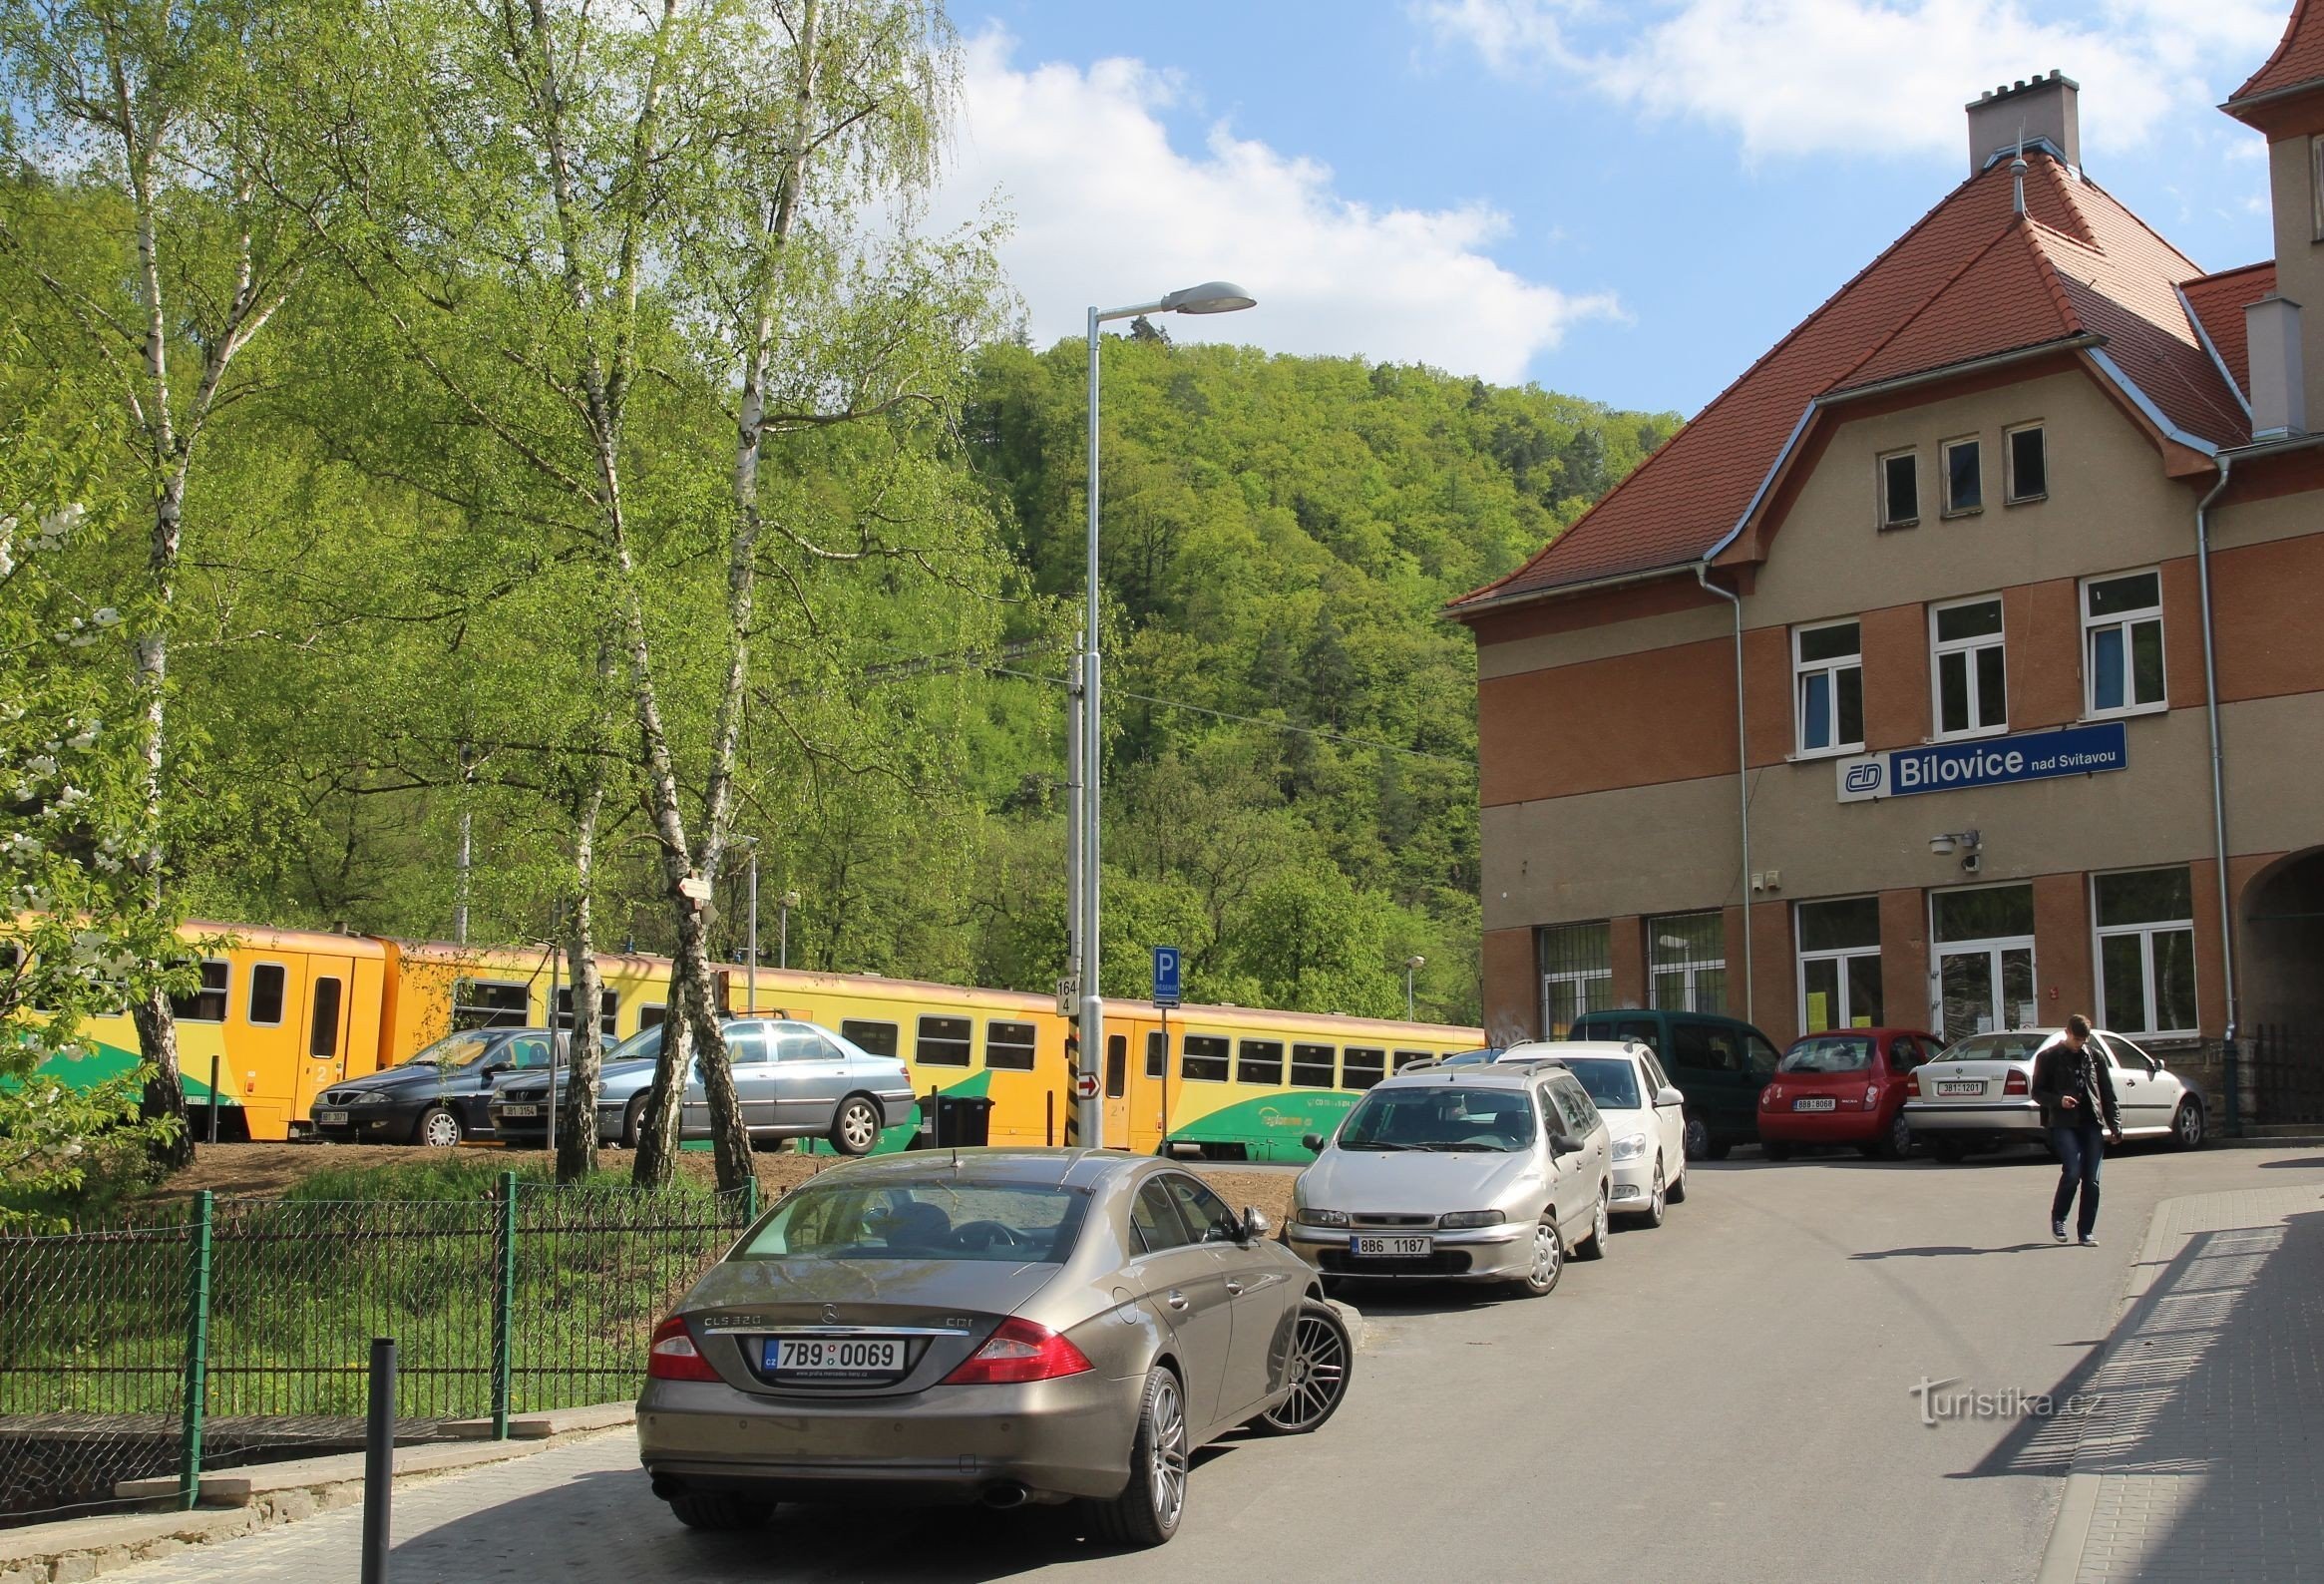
[1464, 1174]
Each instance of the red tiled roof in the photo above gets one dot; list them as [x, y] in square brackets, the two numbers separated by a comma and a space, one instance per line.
[1970, 281]
[2298, 58]
[2219, 301]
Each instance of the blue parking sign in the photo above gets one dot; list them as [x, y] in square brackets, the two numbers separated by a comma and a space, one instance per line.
[1166, 961]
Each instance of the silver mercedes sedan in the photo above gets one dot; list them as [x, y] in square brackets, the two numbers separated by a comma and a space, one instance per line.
[994, 1326]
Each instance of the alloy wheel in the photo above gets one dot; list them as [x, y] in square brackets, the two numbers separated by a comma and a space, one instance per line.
[1166, 1473]
[1600, 1227]
[857, 1126]
[1319, 1375]
[1656, 1199]
[2189, 1124]
[1697, 1138]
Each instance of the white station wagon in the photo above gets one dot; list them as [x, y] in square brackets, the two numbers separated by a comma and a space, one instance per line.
[1979, 1094]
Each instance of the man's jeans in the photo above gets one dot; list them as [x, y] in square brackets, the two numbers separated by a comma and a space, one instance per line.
[2081, 1147]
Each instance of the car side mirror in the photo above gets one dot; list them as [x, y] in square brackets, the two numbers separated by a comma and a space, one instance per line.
[1669, 1094]
[1564, 1144]
[1255, 1224]
[1312, 1144]
[491, 1070]
[2153, 1065]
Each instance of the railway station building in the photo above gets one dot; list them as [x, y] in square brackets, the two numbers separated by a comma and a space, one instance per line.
[1961, 665]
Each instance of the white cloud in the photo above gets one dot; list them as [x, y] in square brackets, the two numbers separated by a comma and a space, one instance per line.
[1800, 77]
[1106, 209]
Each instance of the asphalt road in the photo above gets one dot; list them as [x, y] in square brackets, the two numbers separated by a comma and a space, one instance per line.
[1728, 1397]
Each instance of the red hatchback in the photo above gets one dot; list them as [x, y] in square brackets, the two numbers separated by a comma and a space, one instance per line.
[1845, 1086]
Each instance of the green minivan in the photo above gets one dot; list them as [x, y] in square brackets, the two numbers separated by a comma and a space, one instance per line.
[1720, 1063]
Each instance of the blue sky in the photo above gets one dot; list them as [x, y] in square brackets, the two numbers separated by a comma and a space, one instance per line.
[1625, 200]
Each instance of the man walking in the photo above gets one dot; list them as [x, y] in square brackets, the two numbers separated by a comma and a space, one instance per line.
[2076, 1094]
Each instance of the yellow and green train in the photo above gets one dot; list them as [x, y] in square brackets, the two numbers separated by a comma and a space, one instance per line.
[282, 1014]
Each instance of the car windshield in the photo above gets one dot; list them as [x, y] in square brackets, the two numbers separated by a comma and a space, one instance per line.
[1610, 1080]
[2018, 1044]
[1015, 1224]
[1441, 1117]
[1829, 1055]
[643, 1046]
[463, 1050]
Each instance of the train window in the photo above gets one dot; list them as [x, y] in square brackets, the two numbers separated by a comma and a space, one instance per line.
[491, 1003]
[1364, 1067]
[267, 982]
[208, 1003]
[1310, 1066]
[877, 1039]
[1009, 1046]
[1406, 1058]
[1260, 1062]
[609, 1009]
[944, 1042]
[1118, 1065]
[1204, 1060]
[652, 1015]
[323, 1033]
[1157, 1052]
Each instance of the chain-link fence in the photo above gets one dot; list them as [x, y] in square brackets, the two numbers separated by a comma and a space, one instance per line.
[241, 1333]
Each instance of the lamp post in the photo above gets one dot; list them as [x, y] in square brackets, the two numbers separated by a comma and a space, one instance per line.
[750, 973]
[1412, 963]
[789, 900]
[1212, 296]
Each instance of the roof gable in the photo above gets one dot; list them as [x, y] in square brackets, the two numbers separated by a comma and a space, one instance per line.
[2298, 60]
[1972, 279]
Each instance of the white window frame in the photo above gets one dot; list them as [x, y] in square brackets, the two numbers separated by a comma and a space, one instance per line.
[226, 994]
[1945, 449]
[2121, 622]
[2010, 494]
[1582, 980]
[1939, 647]
[1691, 967]
[1802, 669]
[1839, 954]
[2146, 932]
[1880, 488]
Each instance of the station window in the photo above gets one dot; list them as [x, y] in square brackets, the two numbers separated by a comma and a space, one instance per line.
[609, 1009]
[1204, 1060]
[1839, 965]
[1312, 1066]
[2028, 464]
[2145, 950]
[206, 1005]
[268, 980]
[2122, 647]
[1009, 1046]
[1260, 1062]
[1827, 687]
[1687, 962]
[1964, 476]
[652, 1015]
[1900, 490]
[1969, 668]
[943, 1042]
[1364, 1067]
[873, 1038]
[491, 1003]
[1413, 1059]
[1577, 974]
[1157, 1052]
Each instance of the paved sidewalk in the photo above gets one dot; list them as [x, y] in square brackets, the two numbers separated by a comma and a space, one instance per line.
[2204, 1458]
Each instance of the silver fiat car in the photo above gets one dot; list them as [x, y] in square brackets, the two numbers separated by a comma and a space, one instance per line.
[1464, 1174]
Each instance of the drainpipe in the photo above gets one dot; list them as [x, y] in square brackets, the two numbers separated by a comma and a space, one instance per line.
[2219, 759]
[1742, 784]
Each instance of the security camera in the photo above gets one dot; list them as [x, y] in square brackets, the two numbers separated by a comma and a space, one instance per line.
[1971, 864]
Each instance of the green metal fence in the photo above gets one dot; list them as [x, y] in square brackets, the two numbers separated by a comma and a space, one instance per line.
[242, 1332]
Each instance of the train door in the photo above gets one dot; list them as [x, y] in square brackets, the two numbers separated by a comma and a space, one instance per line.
[1116, 1077]
[329, 980]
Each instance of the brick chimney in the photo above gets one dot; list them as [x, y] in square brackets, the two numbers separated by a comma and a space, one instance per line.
[2041, 110]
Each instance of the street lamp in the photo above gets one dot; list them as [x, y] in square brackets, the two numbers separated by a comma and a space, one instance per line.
[751, 973]
[790, 900]
[1212, 296]
[1411, 964]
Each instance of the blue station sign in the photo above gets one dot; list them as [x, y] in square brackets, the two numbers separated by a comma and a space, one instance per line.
[1987, 762]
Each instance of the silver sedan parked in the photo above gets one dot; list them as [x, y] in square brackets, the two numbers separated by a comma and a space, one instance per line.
[1467, 1174]
[994, 1326]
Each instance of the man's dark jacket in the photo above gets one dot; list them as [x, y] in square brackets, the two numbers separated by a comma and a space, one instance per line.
[2059, 1070]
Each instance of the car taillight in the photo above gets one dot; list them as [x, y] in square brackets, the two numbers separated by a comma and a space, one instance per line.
[2016, 1084]
[1871, 1092]
[674, 1355]
[1019, 1351]
[1771, 1094]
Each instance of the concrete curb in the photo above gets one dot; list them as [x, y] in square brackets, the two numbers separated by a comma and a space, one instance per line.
[1351, 1317]
[242, 1502]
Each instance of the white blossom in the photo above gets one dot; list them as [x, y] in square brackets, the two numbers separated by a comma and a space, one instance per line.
[41, 766]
